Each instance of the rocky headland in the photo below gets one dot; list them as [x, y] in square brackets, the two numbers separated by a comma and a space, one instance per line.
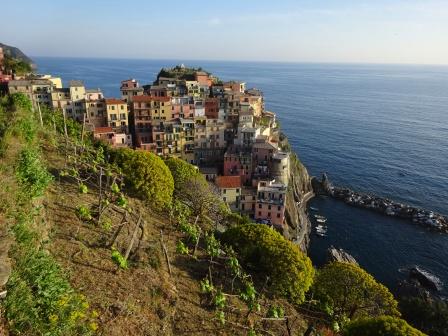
[382, 205]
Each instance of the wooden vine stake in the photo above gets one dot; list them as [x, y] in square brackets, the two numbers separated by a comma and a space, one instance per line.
[134, 236]
[165, 252]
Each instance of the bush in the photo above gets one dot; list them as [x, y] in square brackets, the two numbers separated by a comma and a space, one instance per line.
[31, 173]
[146, 174]
[182, 171]
[381, 326]
[264, 250]
[428, 315]
[347, 291]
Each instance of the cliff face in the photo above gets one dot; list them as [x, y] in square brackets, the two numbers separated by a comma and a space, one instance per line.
[16, 53]
[299, 192]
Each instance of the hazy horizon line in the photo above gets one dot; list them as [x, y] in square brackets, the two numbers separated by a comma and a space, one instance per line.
[240, 61]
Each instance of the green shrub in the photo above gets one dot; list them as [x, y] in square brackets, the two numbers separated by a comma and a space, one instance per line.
[118, 259]
[147, 175]
[381, 326]
[347, 291]
[265, 251]
[31, 172]
[182, 171]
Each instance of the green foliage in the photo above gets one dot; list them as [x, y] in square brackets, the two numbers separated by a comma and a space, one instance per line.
[275, 312]
[31, 172]
[147, 175]
[213, 246]
[115, 188]
[181, 248]
[83, 213]
[40, 300]
[219, 300]
[221, 317]
[182, 171]
[191, 231]
[122, 201]
[249, 296]
[350, 292]
[206, 286]
[268, 253]
[16, 65]
[118, 259]
[380, 326]
[428, 315]
[83, 188]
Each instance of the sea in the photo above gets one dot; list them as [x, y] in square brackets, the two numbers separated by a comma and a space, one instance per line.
[379, 129]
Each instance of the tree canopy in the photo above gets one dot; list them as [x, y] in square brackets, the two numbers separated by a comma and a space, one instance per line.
[266, 252]
[182, 171]
[146, 174]
[381, 326]
[347, 291]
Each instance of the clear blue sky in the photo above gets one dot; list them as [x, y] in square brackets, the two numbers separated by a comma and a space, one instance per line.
[375, 31]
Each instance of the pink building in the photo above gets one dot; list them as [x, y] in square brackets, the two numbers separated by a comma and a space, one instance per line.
[238, 162]
[270, 205]
[203, 78]
[212, 108]
[108, 135]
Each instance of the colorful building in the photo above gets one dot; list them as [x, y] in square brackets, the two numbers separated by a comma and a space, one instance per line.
[117, 115]
[230, 190]
[270, 204]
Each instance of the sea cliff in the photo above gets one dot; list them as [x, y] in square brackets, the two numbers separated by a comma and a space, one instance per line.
[299, 193]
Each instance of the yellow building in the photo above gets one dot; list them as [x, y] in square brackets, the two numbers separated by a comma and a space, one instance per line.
[117, 115]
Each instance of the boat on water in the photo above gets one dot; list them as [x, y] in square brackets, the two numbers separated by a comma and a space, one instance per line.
[314, 209]
[321, 228]
[321, 234]
[319, 216]
[321, 220]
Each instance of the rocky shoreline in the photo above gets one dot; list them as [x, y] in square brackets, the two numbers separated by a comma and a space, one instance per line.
[384, 206]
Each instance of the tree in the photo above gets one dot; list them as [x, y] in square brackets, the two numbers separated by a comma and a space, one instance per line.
[347, 291]
[381, 326]
[182, 171]
[265, 251]
[146, 174]
[202, 198]
[427, 314]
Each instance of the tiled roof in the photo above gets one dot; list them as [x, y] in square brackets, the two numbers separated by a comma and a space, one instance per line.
[228, 182]
[111, 101]
[145, 99]
[103, 130]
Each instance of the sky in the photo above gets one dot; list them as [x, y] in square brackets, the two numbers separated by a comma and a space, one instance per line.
[375, 31]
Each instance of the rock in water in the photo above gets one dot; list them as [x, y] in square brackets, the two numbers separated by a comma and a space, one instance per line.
[340, 255]
[425, 278]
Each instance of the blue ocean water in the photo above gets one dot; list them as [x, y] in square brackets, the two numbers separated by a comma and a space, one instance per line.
[381, 129]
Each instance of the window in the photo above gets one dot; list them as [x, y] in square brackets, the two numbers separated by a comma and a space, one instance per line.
[269, 214]
[224, 199]
[278, 215]
[121, 107]
[237, 191]
[279, 208]
[224, 191]
[260, 206]
[259, 213]
[269, 207]
[123, 116]
[112, 107]
[242, 207]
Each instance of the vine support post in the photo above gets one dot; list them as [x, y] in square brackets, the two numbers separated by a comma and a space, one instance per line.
[134, 236]
[165, 252]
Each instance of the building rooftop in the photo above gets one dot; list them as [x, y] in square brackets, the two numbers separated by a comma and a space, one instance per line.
[145, 99]
[113, 101]
[99, 130]
[74, 83]
[228, 182]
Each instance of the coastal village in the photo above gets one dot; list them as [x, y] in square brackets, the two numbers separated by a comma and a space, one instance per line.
[220, 127]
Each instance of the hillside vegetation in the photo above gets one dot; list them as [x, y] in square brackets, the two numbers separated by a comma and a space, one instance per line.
[121, 242]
